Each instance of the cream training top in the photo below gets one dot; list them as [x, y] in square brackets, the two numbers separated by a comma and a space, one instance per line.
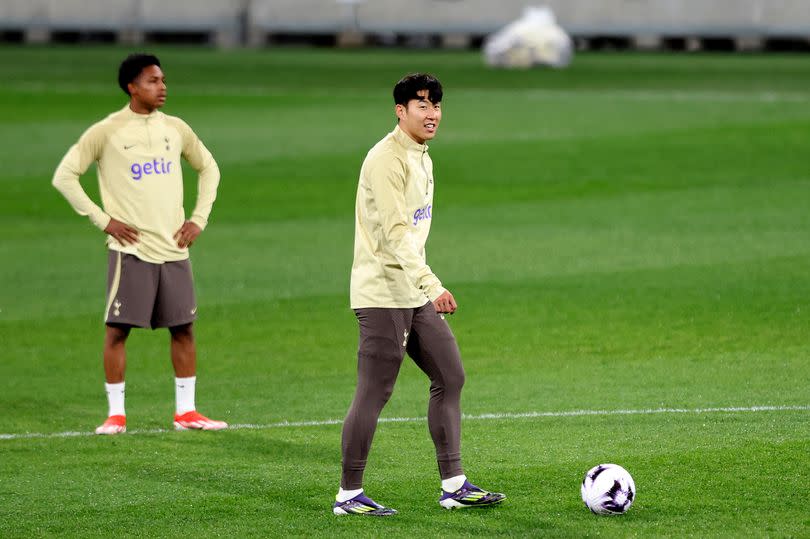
[393, 213]
[140, 179]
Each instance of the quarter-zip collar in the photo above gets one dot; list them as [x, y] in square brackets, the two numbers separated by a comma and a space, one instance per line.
[406, 141]
[132, 114]
[148, 126]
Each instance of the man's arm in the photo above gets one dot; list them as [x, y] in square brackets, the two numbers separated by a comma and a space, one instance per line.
[73, 165]
[66, 180]
[201, 160]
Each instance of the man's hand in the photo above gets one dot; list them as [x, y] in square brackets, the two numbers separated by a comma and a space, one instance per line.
[123, 233]
[445, 304]
[187, 234]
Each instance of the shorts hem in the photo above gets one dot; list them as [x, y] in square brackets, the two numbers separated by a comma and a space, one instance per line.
[126, 323]
[173, 323]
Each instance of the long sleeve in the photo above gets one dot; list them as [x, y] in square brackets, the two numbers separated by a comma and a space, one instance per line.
[201, 160]
[75, 163]
[387, 183]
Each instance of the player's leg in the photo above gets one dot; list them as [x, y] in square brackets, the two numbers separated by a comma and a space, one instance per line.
[176, 309]
[115, 360]
[433, 348]
[381, 348]
[131, 288]
[183, 352]
[115, 353]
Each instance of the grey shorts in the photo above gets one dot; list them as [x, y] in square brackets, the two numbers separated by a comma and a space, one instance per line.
[147, 295]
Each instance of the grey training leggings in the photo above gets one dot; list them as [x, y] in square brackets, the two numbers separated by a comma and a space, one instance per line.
[385, 336]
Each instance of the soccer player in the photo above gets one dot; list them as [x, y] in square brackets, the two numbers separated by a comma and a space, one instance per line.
[149, 280]
[400, 304]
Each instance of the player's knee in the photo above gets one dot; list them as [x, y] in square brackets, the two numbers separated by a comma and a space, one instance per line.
[454, 379]
[386, 393]
[369, 402]
[461, 379]
[184, 331]
[116, 335]
[374, 394]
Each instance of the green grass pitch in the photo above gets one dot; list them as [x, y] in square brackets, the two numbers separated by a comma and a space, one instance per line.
[628, 234]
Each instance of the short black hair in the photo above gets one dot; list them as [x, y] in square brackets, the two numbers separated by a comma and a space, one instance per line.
[132, 66]
[408, 86]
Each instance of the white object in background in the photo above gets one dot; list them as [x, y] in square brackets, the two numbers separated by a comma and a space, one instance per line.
[534, 39]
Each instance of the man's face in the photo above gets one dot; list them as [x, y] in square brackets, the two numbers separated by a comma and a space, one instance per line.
[149, 88]
[419, 118]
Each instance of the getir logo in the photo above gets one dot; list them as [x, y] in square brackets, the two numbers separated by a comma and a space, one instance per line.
[150, 167]
[422, 213]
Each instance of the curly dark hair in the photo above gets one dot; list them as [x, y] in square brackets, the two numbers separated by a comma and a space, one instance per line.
[132, 66]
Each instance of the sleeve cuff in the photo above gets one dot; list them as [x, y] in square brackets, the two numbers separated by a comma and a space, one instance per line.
[435, 293]
[199, 221]
[101, 220]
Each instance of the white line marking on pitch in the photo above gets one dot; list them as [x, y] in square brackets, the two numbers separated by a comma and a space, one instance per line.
[521, 415]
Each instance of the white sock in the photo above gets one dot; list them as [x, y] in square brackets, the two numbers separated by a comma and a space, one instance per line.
[453, 483]
[115, 398]
[344, 495]
[184, 394]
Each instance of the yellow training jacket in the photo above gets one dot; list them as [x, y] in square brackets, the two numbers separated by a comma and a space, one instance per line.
[140, 179]
[392, 220]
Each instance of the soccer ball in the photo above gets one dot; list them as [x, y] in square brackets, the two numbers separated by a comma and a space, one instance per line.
[608, 489]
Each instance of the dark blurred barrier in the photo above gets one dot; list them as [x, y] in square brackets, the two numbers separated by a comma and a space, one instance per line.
[595, 24]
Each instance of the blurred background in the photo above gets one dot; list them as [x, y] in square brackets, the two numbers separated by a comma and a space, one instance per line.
[688, 25]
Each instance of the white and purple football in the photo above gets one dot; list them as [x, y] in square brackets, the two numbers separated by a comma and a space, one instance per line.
[608, 489]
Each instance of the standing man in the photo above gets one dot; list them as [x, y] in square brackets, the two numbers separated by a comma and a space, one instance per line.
[400, 304]
[149, 281]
